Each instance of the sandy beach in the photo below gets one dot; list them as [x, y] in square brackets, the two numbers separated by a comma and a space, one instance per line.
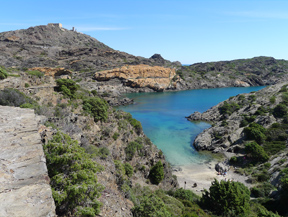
[203, 175]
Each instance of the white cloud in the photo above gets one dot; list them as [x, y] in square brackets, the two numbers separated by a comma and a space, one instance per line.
[258, 14]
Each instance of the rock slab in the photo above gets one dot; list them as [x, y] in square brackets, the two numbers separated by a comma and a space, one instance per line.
[24, 181]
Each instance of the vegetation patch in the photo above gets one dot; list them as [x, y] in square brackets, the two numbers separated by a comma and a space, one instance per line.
[156, 174]
[73, 177]
[97, 107]
[3, 73]
[228, 108]
[35, 73]
[68, 87]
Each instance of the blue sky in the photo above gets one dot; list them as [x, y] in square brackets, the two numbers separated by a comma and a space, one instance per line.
[184, 30]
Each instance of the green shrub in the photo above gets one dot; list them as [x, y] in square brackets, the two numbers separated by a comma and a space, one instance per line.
[73, 177]
[13, 97]
[256, 152]
[227, 199]
[3, 73]
[228, 108]
[68, 87]
[233, 160]
[131, 148]
[261, 111]
[103, 152]
[252, 98]
[273, 99]
[182, 194]
[115, 136]
[94, 92]
[255, 132]
[151, 205]
[128, 169]
[35, 73]
[156, 174]
[97, 107]
[280, 110]
[27, 85]
[135, 123]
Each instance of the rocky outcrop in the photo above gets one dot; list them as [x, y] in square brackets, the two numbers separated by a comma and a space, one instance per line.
[24, 181]
[155, 77]
[227, 131]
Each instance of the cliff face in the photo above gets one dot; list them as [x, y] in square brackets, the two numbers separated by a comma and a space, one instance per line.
[24, 181]
[156, 77]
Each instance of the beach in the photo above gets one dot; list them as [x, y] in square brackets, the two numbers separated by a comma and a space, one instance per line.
[203, 175]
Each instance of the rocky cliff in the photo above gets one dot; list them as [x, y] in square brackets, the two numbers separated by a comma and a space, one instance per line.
[140, 76]
[24, 181]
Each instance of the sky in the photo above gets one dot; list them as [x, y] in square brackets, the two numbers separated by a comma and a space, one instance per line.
[188, 31]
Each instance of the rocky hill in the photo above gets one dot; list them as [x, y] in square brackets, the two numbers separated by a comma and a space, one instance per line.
[257, 71]
[54, 46]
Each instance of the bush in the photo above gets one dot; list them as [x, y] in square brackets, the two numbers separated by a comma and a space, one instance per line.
[183, 194]
[256, 152]
[272, 99]
[227, 198]
[73, 177]
[280, 110]
[103, 152]
[135, 123]
[13, 97]
[97, 107]
[128, 169]
[68, 87]
[3, 73]
[156, 174]
[115, 136]
[228, 108]
[131, 148]
[255, 132]
[151, 205]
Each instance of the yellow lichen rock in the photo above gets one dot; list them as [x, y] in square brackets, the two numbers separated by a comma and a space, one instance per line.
[155, 77]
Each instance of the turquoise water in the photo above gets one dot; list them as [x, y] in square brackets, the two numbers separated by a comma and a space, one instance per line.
[163, 119]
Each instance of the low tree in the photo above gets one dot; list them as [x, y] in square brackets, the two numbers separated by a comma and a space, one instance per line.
[255, 132]
[227, 199]
[156, 174]
[256, 151]
[67, 86]
[97, 107]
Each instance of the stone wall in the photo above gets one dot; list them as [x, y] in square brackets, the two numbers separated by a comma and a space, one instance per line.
[24, 181]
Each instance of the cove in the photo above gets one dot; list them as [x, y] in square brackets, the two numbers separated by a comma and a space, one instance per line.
[163, 119]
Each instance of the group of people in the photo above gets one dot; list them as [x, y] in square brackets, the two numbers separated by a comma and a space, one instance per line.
[223, 173]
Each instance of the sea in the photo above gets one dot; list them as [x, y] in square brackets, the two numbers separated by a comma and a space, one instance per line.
[163, 119]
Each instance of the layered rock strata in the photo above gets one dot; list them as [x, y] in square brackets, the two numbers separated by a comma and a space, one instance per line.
[155, 77]
[24, 181]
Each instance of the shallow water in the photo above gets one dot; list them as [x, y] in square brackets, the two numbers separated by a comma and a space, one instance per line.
[163, 119]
